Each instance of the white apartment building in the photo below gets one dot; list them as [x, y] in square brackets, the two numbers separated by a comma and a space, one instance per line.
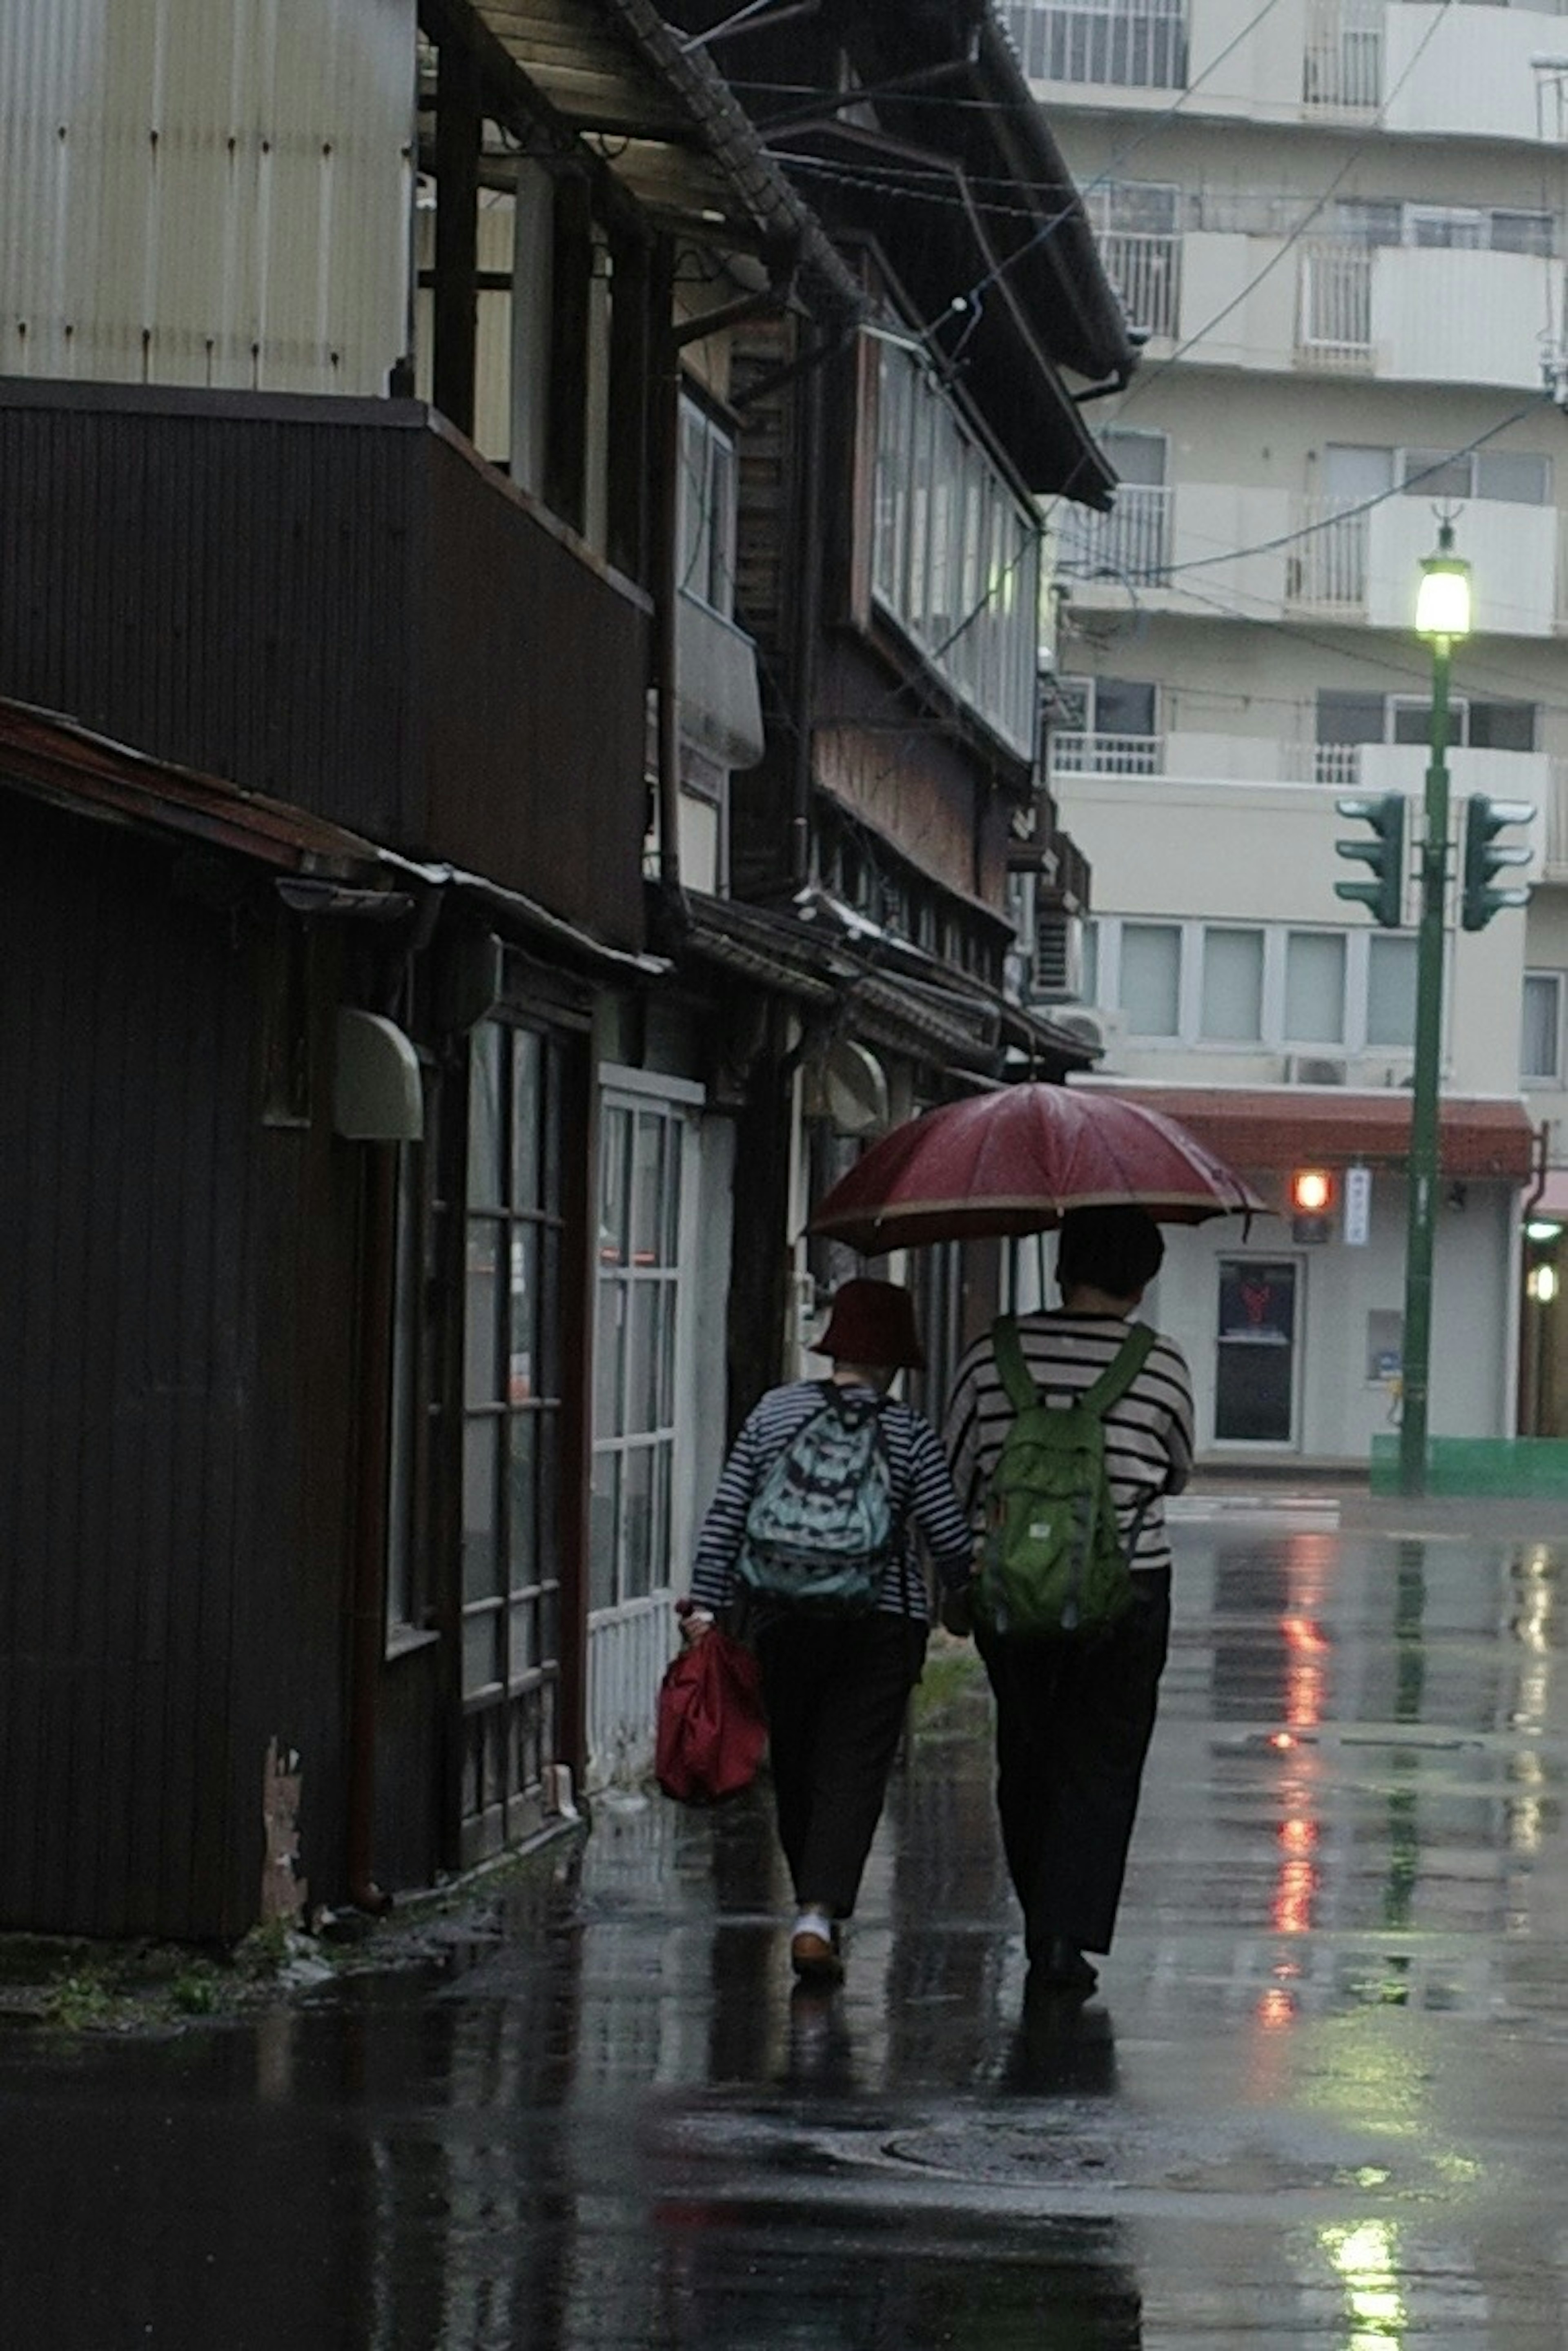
[1343, 225]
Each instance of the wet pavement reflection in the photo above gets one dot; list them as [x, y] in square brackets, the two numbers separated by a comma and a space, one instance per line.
[1319, 2099]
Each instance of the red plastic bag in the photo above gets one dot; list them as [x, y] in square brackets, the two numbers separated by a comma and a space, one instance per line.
[711, 1726]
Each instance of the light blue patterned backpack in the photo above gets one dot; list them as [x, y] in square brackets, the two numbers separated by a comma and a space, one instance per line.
[820, 1533]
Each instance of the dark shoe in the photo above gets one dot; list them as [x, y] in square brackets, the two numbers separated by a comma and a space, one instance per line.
[815, 1960]
[1061, 1967]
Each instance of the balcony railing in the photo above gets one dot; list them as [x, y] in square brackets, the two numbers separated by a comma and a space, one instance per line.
[1327, 566]
[1145, 270]
[1334, 328]
[1338, 764]
[1131, 43]
[1342, 65]
[1073, 754]
[1131, 543]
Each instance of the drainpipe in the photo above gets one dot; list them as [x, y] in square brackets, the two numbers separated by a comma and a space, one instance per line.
[368, 1571]
[772, 298]
[807, 618]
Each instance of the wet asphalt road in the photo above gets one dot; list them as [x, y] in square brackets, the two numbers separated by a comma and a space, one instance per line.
[1318, 2101]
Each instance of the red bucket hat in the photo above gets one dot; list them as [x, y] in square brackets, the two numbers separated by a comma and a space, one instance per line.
[872, 1322]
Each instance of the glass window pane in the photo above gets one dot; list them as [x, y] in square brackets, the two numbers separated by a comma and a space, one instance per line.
[1539, 1050]
[1435, 474]
[1314, 988]
[1412, 720]
[1501, 726]
[1233, 986]
[637, 1522]
[614, 1192]
[1515, 476]
[1122, 706]
[527, 1116]
[484, 1117]
[1350, 717]
[481, 1462]
[522, 1478]
[523, 1318]
[604, 1518]
[481, 1312]
[1151, 970]
[608, 1344]
[525, 1656]
[482, 1654]
[1391, 992]
[647, 1189]
[642, 1358]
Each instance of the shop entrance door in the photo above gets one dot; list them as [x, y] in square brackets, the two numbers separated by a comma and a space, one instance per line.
[1255, 1372]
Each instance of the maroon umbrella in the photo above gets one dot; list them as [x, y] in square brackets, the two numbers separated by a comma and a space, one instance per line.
[1015, 1161]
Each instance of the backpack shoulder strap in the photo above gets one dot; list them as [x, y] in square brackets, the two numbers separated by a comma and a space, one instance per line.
[1121, 1372]
[1011, 1368]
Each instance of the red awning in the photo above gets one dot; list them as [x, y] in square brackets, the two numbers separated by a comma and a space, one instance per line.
[1264, 1129]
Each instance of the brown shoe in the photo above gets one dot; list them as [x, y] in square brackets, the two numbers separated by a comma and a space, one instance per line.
[815, 1960]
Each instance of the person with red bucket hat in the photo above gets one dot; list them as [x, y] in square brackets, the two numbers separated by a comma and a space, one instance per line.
[838, 1665]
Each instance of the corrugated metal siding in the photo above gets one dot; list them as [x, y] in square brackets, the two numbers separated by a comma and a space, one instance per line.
[206, 192]
[174, 1404]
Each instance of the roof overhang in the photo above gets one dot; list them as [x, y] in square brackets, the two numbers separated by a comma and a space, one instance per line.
[610, 81]
[1272, 1130]
[921, 1010]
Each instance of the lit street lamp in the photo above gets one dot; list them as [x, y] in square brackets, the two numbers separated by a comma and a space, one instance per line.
[1442, 615]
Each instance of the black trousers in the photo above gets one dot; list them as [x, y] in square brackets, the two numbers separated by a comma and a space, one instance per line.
[1073, 1726]
[836, 1696]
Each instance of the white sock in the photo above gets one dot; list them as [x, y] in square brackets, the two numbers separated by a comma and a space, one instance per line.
[815, 1922]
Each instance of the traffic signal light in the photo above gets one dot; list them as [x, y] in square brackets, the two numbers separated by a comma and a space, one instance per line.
[1312, 1200]
[1486, 855]
[1384, 891]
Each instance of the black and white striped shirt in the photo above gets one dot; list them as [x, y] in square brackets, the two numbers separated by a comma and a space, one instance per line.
[921, 1492]
[1149, 1431]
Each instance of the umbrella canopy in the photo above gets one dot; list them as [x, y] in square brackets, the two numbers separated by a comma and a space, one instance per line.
[1016, 1161]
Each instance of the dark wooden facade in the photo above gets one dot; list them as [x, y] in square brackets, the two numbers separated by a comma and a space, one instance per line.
[331, 602]
[176, 1396]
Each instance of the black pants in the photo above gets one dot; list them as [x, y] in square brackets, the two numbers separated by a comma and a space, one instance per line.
[1073, 1726]
[836, 1696]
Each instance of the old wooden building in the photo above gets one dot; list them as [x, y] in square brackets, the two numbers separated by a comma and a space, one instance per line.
[484, 822]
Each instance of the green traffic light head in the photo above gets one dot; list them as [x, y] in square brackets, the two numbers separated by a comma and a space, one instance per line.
[1382, 892]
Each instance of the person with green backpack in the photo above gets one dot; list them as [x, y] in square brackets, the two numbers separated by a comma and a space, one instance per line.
[1065, 1430]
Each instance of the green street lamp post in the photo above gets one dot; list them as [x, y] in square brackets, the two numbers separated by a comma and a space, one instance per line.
[1442, 615]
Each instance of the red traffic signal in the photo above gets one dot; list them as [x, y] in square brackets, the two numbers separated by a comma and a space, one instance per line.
[1312, 1200]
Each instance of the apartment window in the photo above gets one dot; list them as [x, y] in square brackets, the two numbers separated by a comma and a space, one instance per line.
[708, 510]
[1131, 542]
[1488, 726]
[1132, 44]
[1246, 987]
[1151, 977]
[1462, 227]
[1513, 477]
[1391, 991]
[954, 552]
[1314, 987]
[1232, 1001]
[1105, 726]
[1541, 1042]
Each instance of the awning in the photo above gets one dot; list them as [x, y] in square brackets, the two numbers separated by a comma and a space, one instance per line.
[1268, 1129]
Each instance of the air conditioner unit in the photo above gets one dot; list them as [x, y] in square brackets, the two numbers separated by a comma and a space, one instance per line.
[1101, 1031]
[1313, 1070]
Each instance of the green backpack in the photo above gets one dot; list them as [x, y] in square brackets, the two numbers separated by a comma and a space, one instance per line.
[1053, 1561]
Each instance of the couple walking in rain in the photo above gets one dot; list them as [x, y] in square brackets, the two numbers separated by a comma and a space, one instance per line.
[1074, 1701]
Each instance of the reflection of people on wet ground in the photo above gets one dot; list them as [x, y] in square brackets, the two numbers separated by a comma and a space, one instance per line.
[836, 1688]
[820, 2054]
[1074, 1718]
[1060, 2049]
